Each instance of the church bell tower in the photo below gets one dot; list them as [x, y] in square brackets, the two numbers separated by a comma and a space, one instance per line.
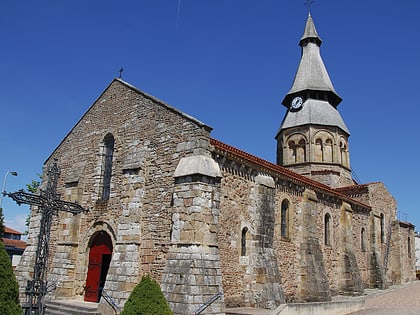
[313, 138]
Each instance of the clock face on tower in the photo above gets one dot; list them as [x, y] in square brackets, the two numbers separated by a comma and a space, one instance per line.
[297, 103]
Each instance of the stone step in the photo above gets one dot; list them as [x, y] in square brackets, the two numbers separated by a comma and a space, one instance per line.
[66, 307]
[248, 311]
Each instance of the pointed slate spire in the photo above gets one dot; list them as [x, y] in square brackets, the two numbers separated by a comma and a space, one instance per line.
[310, 32]
[312, 79]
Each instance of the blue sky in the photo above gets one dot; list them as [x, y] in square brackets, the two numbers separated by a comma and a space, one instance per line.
[228, 63]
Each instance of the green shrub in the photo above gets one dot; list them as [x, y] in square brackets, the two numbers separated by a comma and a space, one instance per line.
[146, 299]
[9, 289]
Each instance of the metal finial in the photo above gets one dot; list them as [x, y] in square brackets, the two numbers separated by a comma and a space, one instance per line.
[308, 3]
[121, 71]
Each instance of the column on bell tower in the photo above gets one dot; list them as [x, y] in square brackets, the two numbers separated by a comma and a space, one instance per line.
[313, 138]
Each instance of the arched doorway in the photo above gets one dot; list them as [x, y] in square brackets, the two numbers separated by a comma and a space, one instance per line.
[99, 258]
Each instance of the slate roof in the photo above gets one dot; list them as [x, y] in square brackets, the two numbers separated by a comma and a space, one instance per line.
[314, 112]
[312, 74]
[310, 32]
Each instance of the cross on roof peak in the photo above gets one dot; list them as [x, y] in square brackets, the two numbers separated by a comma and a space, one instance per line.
[308, 3]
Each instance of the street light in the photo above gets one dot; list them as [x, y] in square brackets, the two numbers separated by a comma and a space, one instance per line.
[4, 185]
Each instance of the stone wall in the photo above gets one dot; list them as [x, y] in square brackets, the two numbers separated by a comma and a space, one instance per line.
[361, 220]
[401, 266]
[386, 258]
[308, 268]
[150, 139]
[351, 261]
[251, 277]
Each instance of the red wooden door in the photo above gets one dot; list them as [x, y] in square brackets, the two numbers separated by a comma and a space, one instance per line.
[93, 276]
[101, 246]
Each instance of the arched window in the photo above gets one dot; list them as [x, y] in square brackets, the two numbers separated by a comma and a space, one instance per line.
[107, 166]
[319, 154]
[363, 239]
[292, 152]
[328, 151]
[327, 229]
[296, 149]
[344, 154]
[409, 247]
[301, 151]
[382, 228]
[244, 241]
[284, 219]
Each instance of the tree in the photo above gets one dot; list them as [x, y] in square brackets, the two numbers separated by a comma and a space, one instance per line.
[34, 185]
[146, 298]
[9, 290]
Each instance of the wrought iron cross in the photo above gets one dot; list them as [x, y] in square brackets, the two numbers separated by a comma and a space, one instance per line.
[308, 3]
[48, 204]
[121, 71]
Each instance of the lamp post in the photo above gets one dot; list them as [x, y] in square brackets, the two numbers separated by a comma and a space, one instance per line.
[4, 185]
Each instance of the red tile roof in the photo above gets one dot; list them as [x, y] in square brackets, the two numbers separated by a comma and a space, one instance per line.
[14, 243]
[354, 189]
[282, 171]
[11, 231]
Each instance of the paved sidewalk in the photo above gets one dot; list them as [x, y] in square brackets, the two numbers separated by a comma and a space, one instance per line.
[400, 299]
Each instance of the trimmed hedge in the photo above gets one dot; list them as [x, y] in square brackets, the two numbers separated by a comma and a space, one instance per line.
[9, 289]
[146, 299]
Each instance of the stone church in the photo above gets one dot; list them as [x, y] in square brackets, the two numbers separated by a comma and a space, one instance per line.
[202, 217]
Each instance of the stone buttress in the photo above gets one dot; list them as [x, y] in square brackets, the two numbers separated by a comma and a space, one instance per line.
[192, 274]
[351, 282]
[265, 290]
[313, 285]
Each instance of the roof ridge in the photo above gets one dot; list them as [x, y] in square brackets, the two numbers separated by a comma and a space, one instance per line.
[357, 186]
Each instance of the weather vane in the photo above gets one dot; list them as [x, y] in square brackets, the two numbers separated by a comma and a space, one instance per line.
[308, 3]
[121, 71]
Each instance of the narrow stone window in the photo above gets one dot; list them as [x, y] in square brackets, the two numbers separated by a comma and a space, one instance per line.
[301, 151]
[363, 239]
[296, 150]
[382, 228]
[344, 154]
[292, 152]
[409, 247]
[284, 228]
[319, 154]
[327, 229]
[328, 151]
[244, 241]
[107, 166]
